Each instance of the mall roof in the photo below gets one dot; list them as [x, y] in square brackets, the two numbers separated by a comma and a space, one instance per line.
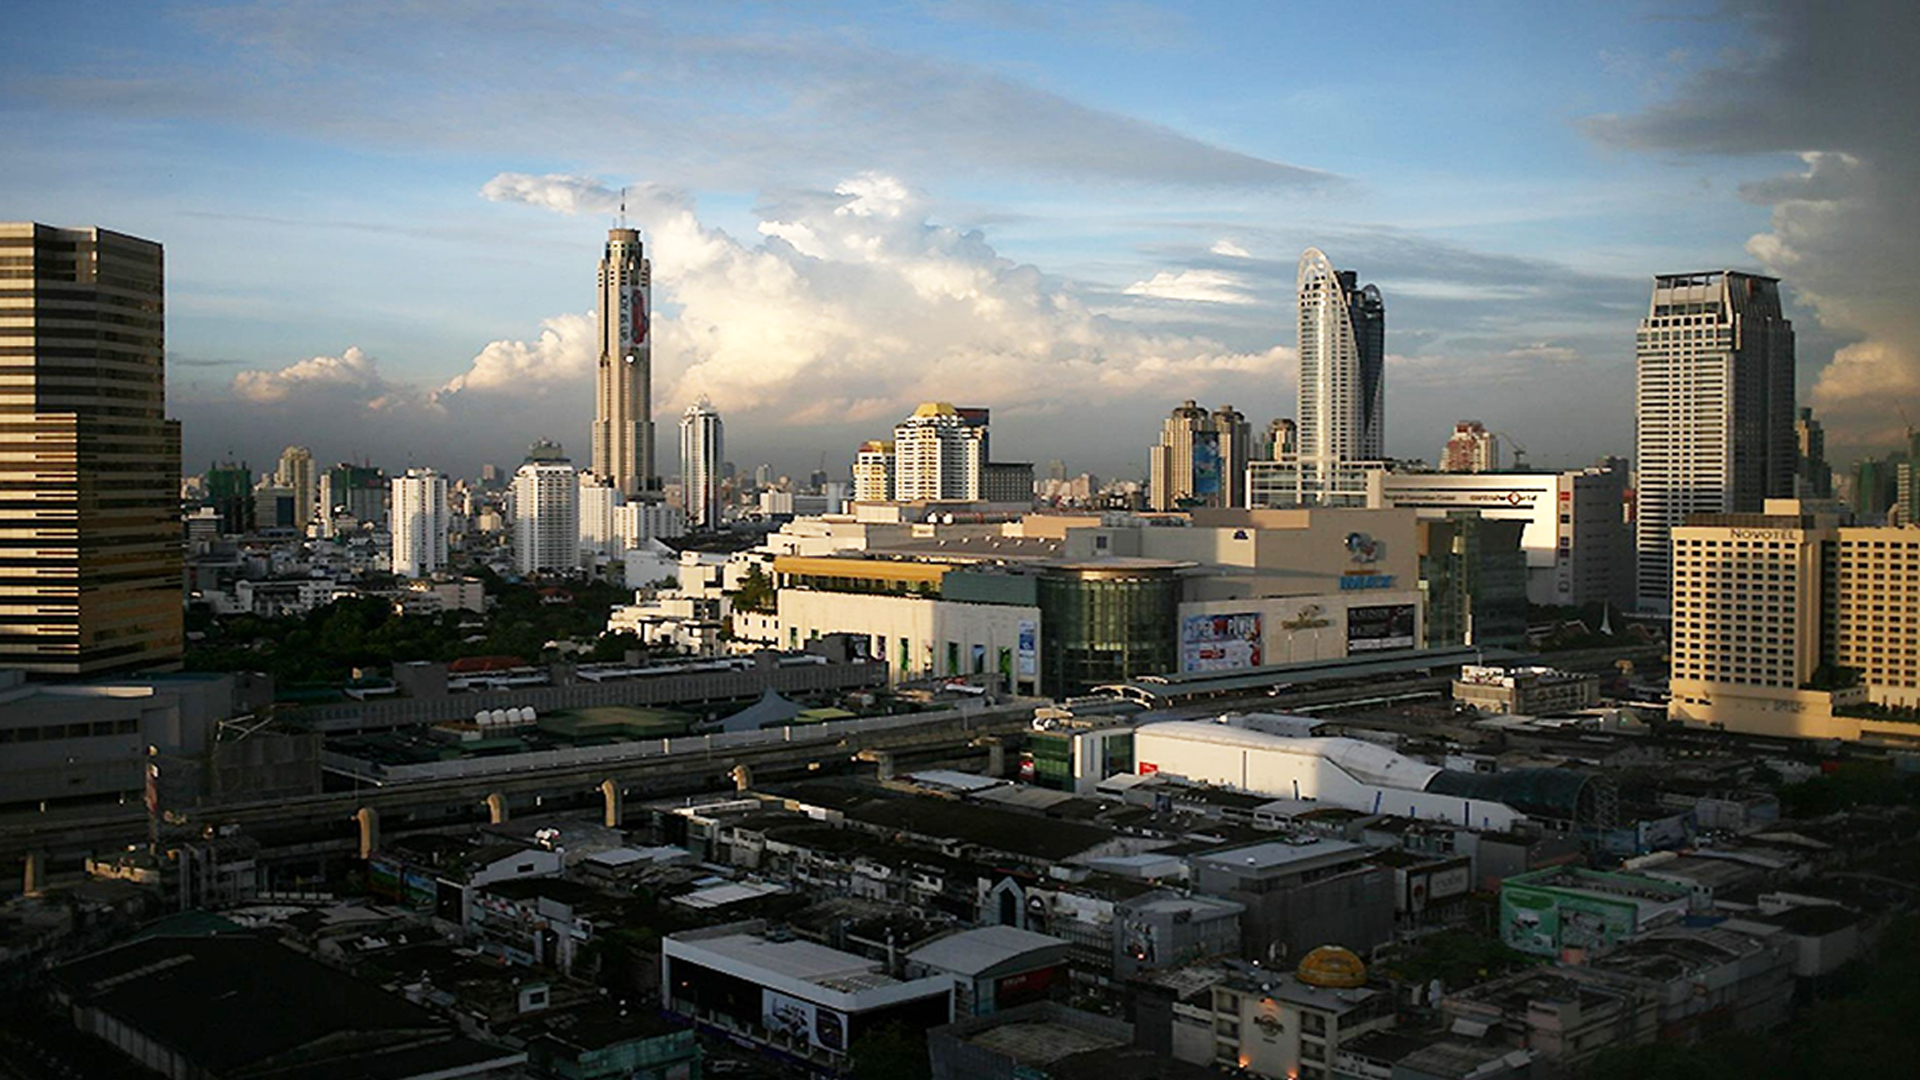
[1544, 793]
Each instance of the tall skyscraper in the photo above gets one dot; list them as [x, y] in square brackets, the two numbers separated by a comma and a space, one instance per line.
[546, 512]
[939, 453]
[89, 463]
[702, 449]
[623, 401]
[230, 493]
[419, 523]
[1714, 417]
[1343, 356]
[1201, 459]
[296, 473]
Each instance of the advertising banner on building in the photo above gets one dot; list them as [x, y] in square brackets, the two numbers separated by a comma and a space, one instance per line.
[1027, 986]
[383, 877]
[1220, 642]
[1206, 464]
[803, 1021]
[1382, 626]
[1543, 923]
[418, 889]
[1029, 648]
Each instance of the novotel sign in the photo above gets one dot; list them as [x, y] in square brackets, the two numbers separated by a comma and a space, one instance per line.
[1764, 534]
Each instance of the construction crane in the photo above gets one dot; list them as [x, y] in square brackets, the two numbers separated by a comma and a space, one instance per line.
[1519, 450]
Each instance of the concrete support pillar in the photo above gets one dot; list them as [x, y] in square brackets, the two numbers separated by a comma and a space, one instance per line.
[35, 877]
[615, 802]
[996, 754]
[497, 810]
[742, 777]
[369, 819]
[882, 759]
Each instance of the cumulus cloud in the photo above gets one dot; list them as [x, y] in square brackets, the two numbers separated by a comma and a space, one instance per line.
[852, 305]
[352, 375]
[1197, 286]
[1820, 83]
[565, 351]
[1224, 246]
[842, 310]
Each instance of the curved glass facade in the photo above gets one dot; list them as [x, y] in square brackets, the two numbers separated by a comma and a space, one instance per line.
[1105, 624]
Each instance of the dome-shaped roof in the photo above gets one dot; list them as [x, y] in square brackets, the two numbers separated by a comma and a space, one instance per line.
[1332, 966]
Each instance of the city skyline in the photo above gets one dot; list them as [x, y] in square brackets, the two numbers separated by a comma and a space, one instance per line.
[829, 257]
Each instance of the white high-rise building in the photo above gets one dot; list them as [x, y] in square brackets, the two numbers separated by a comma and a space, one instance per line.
[599, 534]
[546, 512]
[939, 453]
[1341, 436]
[702, 457]
[1343, 354]
[1714, 411]
[635, 523]
[418, 522]
[873, 472]
[623, 401]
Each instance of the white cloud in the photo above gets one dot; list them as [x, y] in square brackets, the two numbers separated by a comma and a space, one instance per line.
[845, 309]
[566, 351]
[1198, 286]
[855, 306]
[353, 374]
[1224, 246]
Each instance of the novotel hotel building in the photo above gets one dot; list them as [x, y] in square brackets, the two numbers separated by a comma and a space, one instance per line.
[1577, 541]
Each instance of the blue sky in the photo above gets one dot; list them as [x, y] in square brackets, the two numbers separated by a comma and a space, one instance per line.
[382, 219]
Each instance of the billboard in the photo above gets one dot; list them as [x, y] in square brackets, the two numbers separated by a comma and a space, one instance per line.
[1382, 626]
[1542, 923]
[803, 1021]
[1206, 464]
[418, 889]
[1029, 651]
[1220, 642]
[1027, 986]
[383, 877]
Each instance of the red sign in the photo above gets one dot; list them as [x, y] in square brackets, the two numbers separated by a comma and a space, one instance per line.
[1024, 987]
[1148, 768]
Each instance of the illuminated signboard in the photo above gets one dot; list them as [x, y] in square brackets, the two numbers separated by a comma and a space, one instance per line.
[1220, 642]
[1386, 626]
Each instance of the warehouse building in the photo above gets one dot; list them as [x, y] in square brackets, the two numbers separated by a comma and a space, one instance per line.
[794, 997]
